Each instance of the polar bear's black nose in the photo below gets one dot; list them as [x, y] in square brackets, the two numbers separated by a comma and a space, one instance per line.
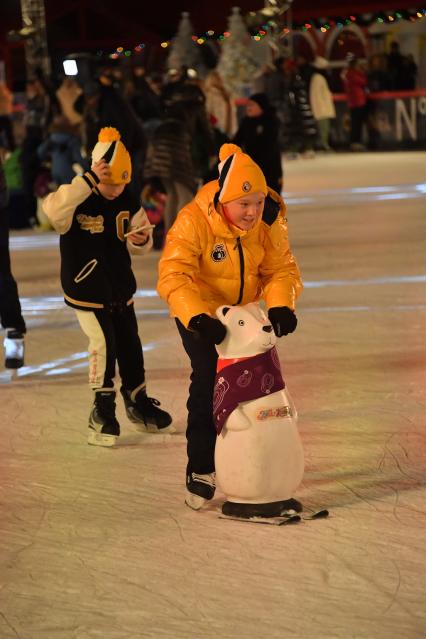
[267, 329]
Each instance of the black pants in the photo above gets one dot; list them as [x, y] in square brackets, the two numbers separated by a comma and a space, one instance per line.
[30, 164]
[113, 338]
[10, 307]
[358, 118]
[373, 127]
[200, 432]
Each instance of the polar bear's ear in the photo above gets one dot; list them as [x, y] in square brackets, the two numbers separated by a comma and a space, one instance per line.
[222, 311]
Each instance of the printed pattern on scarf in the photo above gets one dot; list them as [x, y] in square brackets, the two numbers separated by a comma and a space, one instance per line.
[249, 379]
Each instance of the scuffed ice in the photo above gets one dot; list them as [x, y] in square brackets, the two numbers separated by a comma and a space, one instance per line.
[98, 544]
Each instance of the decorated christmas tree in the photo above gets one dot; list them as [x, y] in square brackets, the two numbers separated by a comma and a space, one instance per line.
[236, 64]
[183, 50]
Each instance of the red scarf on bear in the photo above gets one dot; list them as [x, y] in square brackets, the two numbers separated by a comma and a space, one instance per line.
[242, 380]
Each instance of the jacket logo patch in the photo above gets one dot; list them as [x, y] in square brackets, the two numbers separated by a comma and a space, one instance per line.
[92, 224]
[219, 253]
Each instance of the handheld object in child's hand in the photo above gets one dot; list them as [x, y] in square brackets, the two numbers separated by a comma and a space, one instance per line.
[147, 227]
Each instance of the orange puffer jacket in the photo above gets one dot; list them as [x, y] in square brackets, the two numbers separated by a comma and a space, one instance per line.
[208, 262]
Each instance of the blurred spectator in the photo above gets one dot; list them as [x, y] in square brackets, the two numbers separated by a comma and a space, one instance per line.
[257, 135]
[321, 100]
[153, 200]
[378, 79]
[394, 60]
[146, 99]
[169, 158]
[10, 307]
[186, 89]
[70, 99]
[378, 75]
[406, 79]
[219, 104]
[355, 82]
[305, 69]
[105, 106]
[17, 209]
[298, 125]
[7, 139]
[37, 115]
[62, 148]
[173, 80]
[155, 81]
[275, 82]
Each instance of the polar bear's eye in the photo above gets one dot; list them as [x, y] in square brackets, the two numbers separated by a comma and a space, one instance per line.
[241, 322]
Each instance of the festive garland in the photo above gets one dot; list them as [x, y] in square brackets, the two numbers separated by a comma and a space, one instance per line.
[323, 24]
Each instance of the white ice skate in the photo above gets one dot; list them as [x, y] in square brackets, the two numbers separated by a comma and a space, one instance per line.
[14, 348]
[200, 489]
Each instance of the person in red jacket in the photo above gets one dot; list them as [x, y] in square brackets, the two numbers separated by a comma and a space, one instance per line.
[355, 81]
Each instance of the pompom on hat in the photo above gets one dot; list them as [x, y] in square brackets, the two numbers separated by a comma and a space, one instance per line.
[238, 174]
[110, 148]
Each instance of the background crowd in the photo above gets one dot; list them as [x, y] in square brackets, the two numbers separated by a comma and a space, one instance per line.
[173, 124]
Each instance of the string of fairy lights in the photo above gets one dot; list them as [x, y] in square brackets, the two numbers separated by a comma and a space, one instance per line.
[322, 24]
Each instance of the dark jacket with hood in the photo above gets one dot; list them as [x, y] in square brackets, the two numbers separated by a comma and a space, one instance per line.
[258, 137]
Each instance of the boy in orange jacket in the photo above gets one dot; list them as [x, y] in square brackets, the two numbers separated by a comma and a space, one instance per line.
[228, 246]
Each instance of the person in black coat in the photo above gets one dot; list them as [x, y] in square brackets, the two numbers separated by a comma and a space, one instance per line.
[10, 307]
[105, 106]
[257, 135]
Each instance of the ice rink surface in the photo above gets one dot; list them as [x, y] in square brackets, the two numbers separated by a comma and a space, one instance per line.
[98, 544]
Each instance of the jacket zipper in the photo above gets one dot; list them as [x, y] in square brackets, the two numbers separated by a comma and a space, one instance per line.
[241, 256]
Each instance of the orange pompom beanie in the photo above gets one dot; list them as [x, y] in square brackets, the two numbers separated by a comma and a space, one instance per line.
[238, 174]
[110, 148]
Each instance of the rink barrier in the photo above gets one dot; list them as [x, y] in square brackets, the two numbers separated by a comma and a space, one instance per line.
[394, 120]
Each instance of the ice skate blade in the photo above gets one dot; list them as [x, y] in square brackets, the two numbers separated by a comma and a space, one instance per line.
[152, 428]
[272, 521]
[194, 501]
[286, 518]
[100, 439]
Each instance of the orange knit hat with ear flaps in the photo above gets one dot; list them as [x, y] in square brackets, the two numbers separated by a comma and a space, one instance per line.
[110, 148]
[238, 174]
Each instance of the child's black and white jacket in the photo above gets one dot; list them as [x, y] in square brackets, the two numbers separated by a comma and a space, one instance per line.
[96, 269]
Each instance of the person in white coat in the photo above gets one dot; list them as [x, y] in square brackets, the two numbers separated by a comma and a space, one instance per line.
[321, 100]
[220, 105]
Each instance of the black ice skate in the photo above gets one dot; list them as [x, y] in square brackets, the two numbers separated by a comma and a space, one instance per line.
[103, 425]
[200, 488]
[13, 348]
[144, 412]
[272, 509]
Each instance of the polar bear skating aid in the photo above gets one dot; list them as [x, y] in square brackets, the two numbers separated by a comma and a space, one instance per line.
[259, 455]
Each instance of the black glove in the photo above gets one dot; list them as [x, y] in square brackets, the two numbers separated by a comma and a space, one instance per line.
[283, 320]
[208, 327]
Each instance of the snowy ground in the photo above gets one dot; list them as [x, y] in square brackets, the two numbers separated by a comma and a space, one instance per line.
[97, 543]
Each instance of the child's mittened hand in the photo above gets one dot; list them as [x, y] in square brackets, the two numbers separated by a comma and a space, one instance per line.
[283, 320]
[101, 170]
[208, 327]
